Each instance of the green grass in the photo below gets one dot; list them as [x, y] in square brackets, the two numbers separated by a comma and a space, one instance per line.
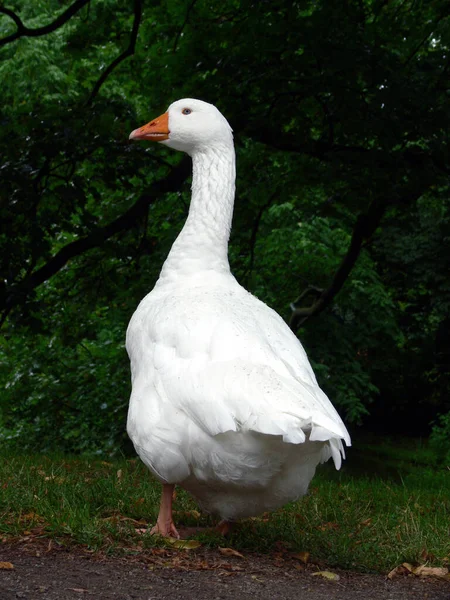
[363, 523]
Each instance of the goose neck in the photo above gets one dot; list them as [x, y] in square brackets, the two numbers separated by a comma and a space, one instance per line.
[203, 241]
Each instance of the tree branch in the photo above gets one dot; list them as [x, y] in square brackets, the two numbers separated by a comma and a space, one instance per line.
[311, 290]
[19, 292]
[431, 29]
[128, 52]
[316, 148]
[186, 19]
[23, 31]
[365, 227]
[254, 234]
[366, 224]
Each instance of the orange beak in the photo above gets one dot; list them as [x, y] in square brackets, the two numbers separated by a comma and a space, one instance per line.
[155, 131]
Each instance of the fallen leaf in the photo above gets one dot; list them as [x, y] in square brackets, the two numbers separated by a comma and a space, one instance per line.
[397, 571]
[6, 565]
[230, 552]
[31, 516]
[423, 571]
[183, 544]
[79, 590]
[303, 556]
[420, 571]
[327, 575]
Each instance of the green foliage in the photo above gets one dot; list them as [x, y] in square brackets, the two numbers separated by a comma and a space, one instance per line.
[54, 388]
[336, 108]
[414, 266]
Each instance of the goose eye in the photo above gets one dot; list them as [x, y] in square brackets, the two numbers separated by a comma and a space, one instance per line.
[186, 111]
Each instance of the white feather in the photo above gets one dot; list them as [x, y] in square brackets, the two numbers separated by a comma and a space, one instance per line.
[224, 400]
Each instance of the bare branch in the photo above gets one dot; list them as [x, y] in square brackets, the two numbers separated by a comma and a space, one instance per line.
[23, 31]
[128, 52]
[317, 148]
[96, 238]
[365, 226]
[254, 234]
[328, 118]
[13, 16]
[186, 19]
[310, 290]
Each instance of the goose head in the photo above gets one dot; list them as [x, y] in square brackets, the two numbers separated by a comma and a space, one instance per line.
[188, 125]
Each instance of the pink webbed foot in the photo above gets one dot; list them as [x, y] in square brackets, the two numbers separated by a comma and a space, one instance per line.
[165, 525]
[166, 529]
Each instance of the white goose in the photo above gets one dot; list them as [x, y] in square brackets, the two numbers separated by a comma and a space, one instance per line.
[224, 401]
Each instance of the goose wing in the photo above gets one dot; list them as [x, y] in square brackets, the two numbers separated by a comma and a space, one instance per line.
[228, 362]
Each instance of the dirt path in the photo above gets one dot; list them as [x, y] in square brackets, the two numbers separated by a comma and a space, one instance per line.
[159, 574]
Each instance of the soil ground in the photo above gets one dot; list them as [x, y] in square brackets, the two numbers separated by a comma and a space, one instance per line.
[46, 573]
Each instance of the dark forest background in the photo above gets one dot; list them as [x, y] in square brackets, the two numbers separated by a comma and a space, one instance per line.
[341, 115]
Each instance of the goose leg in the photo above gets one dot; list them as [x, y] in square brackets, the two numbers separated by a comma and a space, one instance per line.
[165, 525]
[225, 527]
